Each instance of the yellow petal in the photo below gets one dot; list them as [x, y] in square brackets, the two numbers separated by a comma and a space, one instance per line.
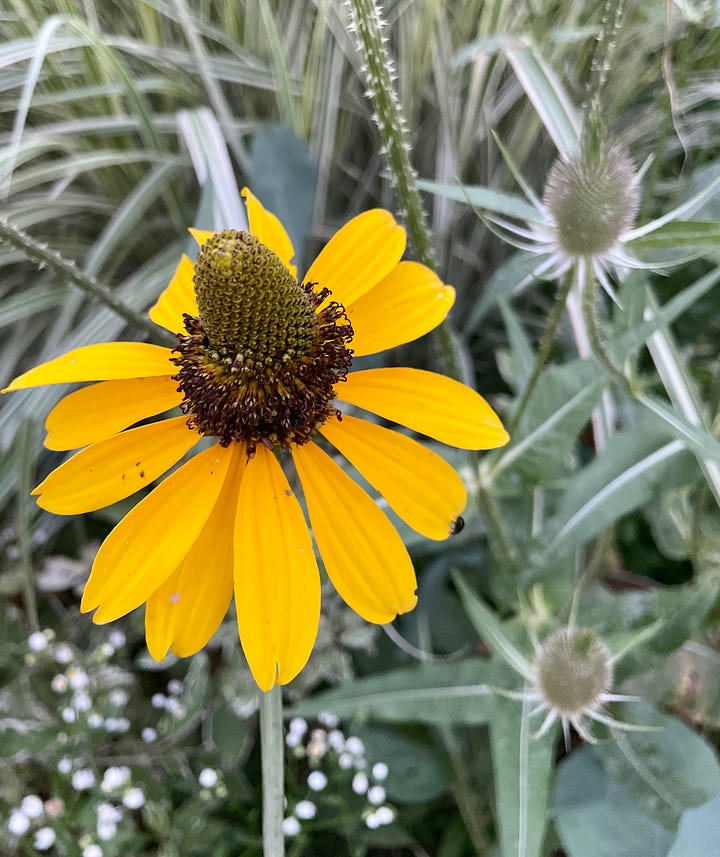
[277, 583]
[358, 256]
[201, 235]
[408, 303]
[428, 403]
[268, 229]
[115, 468]
[101, 410]
[160, 618]
[178, 297]
[148, 544]
[107, 361]
[363, 554]
[188, 608]
[419, 485]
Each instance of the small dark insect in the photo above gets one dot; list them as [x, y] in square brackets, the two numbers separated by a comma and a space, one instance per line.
[457, 525]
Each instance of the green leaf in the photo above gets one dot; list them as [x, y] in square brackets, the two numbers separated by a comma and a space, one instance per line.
[697, 438]
[680, 233]
[698, 828]
[508, 280]
[596, 817]
[522, 766]
[484, 198]
[436, 693]
[666, 769]
[634, 466]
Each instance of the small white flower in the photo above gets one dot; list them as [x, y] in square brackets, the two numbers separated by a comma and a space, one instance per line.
[293, 739]
[59, 683]
[174, 707]
[106, 650]
[69, 715]
[384, 815]
[346, 761]
[118, 697]
[149, 735]
[376, 795]
[54, 807]
[372, 821]
[305, 810]
[317, 781]
[355, 746]
[208, 778]
[82, 701]
[95, 720]
[64, 766]
[158, 700]
[380, 771]
[62, 653]
[106, 830]
[291, 826]
[92, 850]
[37, 641]
[116, 639]
[175, 687]
[107, 813]
[360, 783]
[328, 720]
[298, 726]
[31, 806]
[44, 839]
[115, 777]
[78, 678]
[134, 798]
[18, 823]
[117, 724]
[83, 780]
[336, 740]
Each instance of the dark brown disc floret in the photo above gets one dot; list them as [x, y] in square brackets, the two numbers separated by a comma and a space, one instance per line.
[260, 363]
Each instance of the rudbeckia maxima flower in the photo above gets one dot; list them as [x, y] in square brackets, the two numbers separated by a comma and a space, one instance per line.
[261, 362]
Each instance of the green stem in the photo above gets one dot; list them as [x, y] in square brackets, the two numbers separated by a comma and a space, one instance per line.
[26, 461]
[273, 770]
[46, 257]
[589, 310]
[379, 72]
[499, 538]
[543, 353]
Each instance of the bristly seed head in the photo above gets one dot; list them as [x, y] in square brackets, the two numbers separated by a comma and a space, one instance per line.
[593, 199]
[261, 362]
[574, 671]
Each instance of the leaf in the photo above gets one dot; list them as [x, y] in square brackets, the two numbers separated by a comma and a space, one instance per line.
[634, 466]
[596, 817]
[508, 280]
[666, 769]
[698, 828]
[437, 693]
[522, 766]
[680, 233]
[696, 437]
[484, 198]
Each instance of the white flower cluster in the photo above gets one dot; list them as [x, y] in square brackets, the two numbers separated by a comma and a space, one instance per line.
[30, 814]
[328, 744]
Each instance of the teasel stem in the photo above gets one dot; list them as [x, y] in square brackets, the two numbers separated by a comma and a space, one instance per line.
[273, 772]
[379, 70]
[589, 310]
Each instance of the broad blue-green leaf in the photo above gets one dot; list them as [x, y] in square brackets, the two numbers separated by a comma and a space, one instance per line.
[666, 770]
[699, 832]
[522, 766]
[438, 693]
[596, 817]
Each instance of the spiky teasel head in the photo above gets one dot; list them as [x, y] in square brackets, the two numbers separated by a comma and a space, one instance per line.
[592, 198]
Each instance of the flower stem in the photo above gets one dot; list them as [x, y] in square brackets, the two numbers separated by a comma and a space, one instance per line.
[379, 75]
[589, 309]
[45, 256]
[273, 770]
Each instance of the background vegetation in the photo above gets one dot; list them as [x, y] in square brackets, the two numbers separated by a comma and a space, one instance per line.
[123, 123]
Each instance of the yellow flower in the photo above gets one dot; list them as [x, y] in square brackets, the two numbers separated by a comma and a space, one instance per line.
[261, 359]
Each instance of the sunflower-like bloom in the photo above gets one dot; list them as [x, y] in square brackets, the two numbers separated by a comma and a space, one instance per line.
[260, 363]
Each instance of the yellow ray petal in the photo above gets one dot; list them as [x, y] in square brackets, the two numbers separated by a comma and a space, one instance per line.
[419, 485]
[363, 554]
[205, 586]
[187, 609]
[160, 618]
[408, 303]
[358, 256]
[201, 235]
[148, 544]
[101, 410]
[268, 229]
[428, 403]
[277, 584]
[178, 297]
[115, 468]
[107, 361]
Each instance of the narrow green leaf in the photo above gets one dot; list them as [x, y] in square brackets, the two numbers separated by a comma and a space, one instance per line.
[484, 198]
[681, 233]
